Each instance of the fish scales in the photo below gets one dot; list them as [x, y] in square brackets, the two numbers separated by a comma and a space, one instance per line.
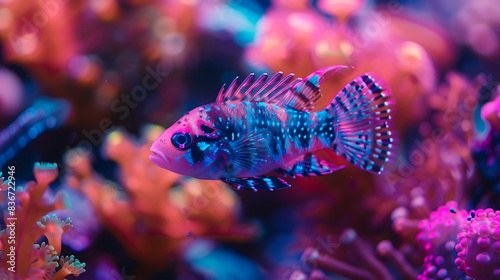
[235, 120]
[291, 132]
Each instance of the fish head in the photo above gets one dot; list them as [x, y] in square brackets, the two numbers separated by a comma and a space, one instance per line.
[189, 147]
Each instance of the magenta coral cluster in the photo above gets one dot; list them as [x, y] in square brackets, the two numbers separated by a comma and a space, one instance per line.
[479, 245]
[438, 237]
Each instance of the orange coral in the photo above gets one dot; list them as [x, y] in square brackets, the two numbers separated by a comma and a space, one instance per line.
[26, 223]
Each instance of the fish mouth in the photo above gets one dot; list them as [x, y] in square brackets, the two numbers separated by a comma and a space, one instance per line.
[158, 158]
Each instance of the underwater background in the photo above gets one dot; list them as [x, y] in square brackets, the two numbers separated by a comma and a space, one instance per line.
[87, 86]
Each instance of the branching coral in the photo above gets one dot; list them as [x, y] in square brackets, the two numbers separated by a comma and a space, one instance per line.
[27, 222]
[153, 212]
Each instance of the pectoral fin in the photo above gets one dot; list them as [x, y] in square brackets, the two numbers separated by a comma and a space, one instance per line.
[250, 151]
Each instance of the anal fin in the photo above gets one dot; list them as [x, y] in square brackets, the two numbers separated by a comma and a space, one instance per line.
[257, 183]
[311, 164]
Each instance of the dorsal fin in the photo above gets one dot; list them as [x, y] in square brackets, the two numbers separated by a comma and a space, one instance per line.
[306, 93]
[285, 91]
[251, 90]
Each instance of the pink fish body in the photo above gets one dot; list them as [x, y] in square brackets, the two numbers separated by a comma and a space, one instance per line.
[264, 126]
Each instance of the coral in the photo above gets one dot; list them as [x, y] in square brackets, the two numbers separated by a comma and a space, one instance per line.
[29, 220]
[437, 238]
[454, 103]
[53, 228]
[355, 259]
[431, 176]
[490, 112]
[398, 257]
[479, 246]
[433, 249]
[154, 213]
[486, 153]
[69, 265]
[441, 226]
[45, 257]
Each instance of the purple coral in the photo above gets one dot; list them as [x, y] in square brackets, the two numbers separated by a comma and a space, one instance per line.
[479, 245]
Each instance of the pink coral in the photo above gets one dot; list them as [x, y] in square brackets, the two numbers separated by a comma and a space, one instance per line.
[437, 238]
[491, 111]
[442, 226]
[479, 245]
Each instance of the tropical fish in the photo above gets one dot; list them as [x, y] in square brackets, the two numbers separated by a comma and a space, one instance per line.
[264, 126]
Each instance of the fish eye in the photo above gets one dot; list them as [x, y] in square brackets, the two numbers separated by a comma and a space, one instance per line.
[182, 140]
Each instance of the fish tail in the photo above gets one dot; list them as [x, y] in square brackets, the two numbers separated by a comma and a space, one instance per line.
[364, 128]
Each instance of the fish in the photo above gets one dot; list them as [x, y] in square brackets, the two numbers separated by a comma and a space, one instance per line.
[263, 129]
